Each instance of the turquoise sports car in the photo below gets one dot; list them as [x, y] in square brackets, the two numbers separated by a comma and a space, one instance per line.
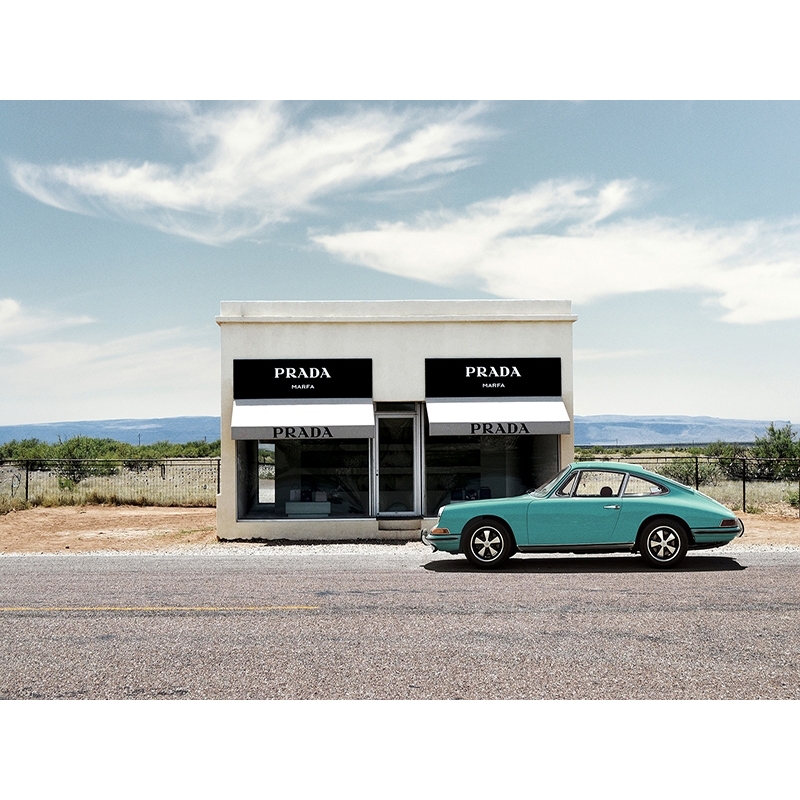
[589, 507]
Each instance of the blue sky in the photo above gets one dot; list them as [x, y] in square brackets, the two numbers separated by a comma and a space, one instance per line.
[673, 226]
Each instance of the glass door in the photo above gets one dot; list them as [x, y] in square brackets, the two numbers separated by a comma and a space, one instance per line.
[397, 460]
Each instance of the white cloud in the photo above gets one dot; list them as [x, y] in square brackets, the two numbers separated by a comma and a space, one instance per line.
[257, 166]
[16, 321]
[157, 374]
[571, 240]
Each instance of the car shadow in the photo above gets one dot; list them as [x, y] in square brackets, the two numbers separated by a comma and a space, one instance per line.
[619, 564]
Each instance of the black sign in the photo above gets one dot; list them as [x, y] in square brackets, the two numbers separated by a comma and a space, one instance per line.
[285, 378]
[492, 377]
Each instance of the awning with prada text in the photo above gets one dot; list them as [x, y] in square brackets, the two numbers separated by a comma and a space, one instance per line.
[520, 416]
[259, 419]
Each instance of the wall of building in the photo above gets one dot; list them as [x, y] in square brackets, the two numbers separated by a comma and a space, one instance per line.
[398, 336]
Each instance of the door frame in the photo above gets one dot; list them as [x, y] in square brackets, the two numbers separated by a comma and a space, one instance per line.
[416, 468]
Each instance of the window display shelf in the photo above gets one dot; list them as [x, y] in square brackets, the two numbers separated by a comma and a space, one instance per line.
[307, 509]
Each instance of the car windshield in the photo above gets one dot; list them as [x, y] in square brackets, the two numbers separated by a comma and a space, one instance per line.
[546, 487]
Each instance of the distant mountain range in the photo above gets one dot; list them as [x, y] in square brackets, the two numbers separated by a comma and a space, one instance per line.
[613, 429]
[609, 429]
[134, 431]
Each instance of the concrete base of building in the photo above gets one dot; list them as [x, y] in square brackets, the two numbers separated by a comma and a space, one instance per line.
[325, 530]
[399, 524]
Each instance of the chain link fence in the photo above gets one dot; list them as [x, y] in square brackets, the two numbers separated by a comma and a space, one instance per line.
[73, 481]
[755, 485]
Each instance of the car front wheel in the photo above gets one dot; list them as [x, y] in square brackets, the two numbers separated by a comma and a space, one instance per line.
[488, 544]
[663, 543]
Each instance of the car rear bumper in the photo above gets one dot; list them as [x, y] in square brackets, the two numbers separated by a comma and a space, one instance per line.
[715, 537]
[723, 534]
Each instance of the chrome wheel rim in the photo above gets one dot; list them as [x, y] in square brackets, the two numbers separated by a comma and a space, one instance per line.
[663, 543]
[487, 544]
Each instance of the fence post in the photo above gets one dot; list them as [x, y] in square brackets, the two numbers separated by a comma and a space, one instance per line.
[27, 471]
[744, 485]
[696, 472]
[218, 460]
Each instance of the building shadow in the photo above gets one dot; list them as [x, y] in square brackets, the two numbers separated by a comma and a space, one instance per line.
[586, 564]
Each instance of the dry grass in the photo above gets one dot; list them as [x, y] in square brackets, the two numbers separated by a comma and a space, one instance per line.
[761, 496]
[183, 483]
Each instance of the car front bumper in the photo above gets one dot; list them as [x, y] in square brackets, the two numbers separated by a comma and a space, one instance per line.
[449, 543]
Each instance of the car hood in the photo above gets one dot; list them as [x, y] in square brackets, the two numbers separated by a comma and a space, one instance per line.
[488, 503]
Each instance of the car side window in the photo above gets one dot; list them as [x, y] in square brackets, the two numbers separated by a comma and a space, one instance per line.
[641, 487]
[599, 483]
[566, 489]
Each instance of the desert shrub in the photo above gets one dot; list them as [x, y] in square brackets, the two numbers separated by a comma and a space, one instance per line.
[776, 455]
[75, 459]
[683, 471]
[728, 457]
[25, 450]
[35, 450]
[777, 443]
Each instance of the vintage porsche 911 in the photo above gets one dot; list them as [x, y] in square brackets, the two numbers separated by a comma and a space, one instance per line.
[589, 507]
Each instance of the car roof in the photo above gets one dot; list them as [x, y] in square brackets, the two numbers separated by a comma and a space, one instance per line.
[634, 469]
[607, 465]
[613, 465]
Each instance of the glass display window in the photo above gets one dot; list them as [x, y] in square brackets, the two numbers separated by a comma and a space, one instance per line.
[291, 479]
[464, 468]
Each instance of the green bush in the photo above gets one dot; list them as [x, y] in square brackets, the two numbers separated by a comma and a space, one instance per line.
[35, 450]
[685, 470]
[778, 443]
[728, 457]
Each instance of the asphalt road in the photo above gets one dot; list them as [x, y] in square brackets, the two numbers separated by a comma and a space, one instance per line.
[382, 621]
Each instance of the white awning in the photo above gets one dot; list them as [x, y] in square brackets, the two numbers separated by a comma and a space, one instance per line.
[497, 417]
[254, 419]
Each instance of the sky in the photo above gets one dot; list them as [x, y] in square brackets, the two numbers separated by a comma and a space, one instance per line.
[672, 226]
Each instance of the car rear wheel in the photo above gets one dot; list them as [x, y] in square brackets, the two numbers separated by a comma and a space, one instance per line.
[488, 544]
[663, 543]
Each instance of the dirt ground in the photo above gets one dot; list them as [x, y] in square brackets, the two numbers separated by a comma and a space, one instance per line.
[92, 528]
[82, 529]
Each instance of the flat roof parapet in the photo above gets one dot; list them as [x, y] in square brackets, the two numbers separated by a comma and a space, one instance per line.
[395, 311]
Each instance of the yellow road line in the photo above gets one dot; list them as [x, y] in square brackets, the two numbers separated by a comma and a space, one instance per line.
[158, 608]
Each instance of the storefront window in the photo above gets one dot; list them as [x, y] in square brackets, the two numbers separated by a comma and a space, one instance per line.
[462, 468]
[290, 479]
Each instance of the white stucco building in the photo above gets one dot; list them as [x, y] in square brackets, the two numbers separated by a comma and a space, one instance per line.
[358, 420]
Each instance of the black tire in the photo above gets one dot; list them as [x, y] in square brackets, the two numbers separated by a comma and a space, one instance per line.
[663, 543]
[488, 544]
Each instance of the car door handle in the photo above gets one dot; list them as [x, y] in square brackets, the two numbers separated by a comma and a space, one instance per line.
[610, 506]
